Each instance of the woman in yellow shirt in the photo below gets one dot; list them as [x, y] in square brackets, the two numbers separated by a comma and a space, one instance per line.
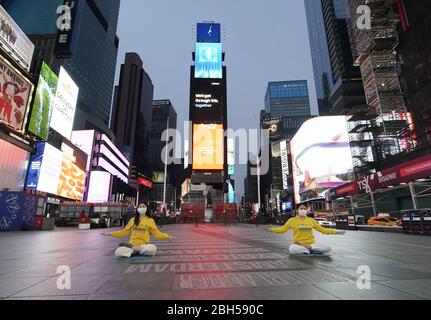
[139, 230]
[303, 238]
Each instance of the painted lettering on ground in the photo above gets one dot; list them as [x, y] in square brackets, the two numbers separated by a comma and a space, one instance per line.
[254, 279]
[221, 257]
[209, 251]
[213, 266]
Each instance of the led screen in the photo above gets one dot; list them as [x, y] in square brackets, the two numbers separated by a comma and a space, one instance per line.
[71, 183]
[208, 147]
[15, 93]
[158, 177]
[209, 32]
[43, 104]
[208, 61]
[231, 156]
[99, 188]
[66, 98]
[13, 166]
[321, 157]
[207, 103]
[50, 169]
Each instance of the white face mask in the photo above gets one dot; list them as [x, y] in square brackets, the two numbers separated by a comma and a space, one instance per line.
[142, 211]
[302, 213]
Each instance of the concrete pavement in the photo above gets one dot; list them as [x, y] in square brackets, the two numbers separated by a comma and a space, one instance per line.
[213, 262]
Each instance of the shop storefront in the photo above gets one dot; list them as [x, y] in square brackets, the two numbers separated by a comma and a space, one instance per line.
[393, 191]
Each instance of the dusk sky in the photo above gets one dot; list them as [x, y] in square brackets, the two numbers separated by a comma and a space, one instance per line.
[263, 40]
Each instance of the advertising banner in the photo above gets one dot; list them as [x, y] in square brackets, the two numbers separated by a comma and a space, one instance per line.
[35, 167]
[158, 177]
[99, 189]
[208, 147]
[209, 32]
[207, 104]
[14, 41]
[208, 61]
[17, 211]
[15, 95]
[71, 183]
[66, 99]
[13, 166]
[145, 183]
[321, 157]
[185, 187]
[284, 164]
[43, 104]
[404, 173]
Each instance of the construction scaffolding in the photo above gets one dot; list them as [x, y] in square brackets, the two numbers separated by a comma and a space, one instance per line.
[384, 129]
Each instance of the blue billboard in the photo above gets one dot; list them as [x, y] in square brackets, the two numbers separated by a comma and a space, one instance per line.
[209, 32]
[17, 211]
[35, 166]
[208, 61]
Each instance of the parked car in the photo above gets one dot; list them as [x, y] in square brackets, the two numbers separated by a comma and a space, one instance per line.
[382, 221]
[324, 223]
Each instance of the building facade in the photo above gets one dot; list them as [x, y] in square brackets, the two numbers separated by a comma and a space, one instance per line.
[93, 50]
[132, 111]
[287, 98]
[338, 81]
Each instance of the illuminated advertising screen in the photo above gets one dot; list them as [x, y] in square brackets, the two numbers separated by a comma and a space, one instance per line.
[50, 169]
[66, 98]
[71, 183]
[321, 157]
[185, 187]
[231, 156]
[284, 163]
[100, 187]
[15, 95]
[208, 61]
[58, 172]
[207, 104]
[208, 147]
[209, 32]
[158, 177]
[14, 41]
[13, 166]
[84, 140]
[43, 103]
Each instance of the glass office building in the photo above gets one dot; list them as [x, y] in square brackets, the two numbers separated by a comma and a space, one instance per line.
[287, 98]
[94, 51]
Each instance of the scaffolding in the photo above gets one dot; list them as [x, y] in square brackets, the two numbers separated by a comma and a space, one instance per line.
[383, 130]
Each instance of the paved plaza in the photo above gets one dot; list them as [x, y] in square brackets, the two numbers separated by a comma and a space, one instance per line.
[214, 262]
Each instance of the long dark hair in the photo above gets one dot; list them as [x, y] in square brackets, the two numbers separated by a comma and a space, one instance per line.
[138, 215]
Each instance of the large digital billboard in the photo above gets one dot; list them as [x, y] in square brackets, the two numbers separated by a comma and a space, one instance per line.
[15, 94]
[13, 166]
[43, 103]
[99, 189]
[208, 61]
[66, 98]
[58, 172]
[14, 41]
[208, 147]
[71, 183]
[209, 32]
[207, 104]
[321, 157]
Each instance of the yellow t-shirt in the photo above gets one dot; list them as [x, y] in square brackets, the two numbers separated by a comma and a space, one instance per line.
[140, 235]
[303, 229]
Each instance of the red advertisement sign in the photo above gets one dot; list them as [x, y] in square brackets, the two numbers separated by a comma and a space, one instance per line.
[145, 183]
[409, 171]
[15, 93]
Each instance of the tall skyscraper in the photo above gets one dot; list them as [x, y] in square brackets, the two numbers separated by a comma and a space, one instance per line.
[287, 98]
[338, 82]
[132, 109]
[162, 110]
[93, 50]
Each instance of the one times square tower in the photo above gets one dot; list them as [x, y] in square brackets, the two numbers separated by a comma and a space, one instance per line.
[208, 113]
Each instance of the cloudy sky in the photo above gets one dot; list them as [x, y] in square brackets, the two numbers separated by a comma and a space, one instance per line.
[263, 40]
